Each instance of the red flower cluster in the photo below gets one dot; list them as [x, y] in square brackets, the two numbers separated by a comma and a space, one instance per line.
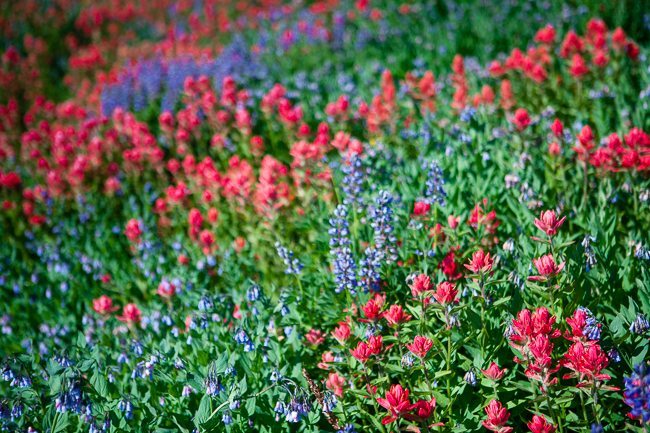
[398, 405]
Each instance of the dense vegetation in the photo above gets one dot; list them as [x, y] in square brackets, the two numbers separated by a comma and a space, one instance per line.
[325, 216]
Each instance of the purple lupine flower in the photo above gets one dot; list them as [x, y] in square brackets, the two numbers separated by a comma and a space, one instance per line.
[343, 262]
[637, 392]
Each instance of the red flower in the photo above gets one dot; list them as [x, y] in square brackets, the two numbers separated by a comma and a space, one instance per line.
[133, 230]
[554, 148]
[422, 409]
[375, 344]
[540, 425]
[166, 290]
[315, 337]
[445, 293]
[449, 266]
[578, 66]
[497, 417]
[545, 35]
[372, 309]
[528, 325]
[557, 128]
[587, 362]
[335, 384]
[104, 305]
[421, 208]
[548, 222]
[397, 403]
[420, 285]
[341, 333]
[494, 372]
[326, 359]
[521, 119]
[361, 352]
[480, 262]
[395, 315]
[420, 346]
[546, 268]
[131, 315]
[578, 323]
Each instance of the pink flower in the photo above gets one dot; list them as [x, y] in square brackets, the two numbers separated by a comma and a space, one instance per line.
[481, 262]
[539, 424]
[420, 346]
[104, 305]
[497, 417]
[375, 344]
[445, 293]
[395, 315]
[421, 208]
[422, 409]
[341, 333]
[548, 222]
[166, 290]
[397, 403]
[521, 119]
[361, 352]
[315, 337]
[133, 230]
[546, 268]
[493, 372]
[131, 315]
[420, 285]
[557, 128]
[335, 384]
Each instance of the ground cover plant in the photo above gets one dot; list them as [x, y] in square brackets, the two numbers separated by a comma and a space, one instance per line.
[319, 216]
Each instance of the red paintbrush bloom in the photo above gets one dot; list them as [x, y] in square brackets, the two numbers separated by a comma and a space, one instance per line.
[545, 35]
[395, 315]
[539, 424]
[548, 222]
[422, 410]
[521, 119]
[341, 333]
[557, 128]
[480, 262]
[361, 352]
[131, 315]
[445, 293]
[421, 208]
[104, 305]
[546, 267]
[494, 372]
[420, 285]
[375, 344]
[497, 417]
[420, 346]
[397, 403]
[335, 383]
[315, 337]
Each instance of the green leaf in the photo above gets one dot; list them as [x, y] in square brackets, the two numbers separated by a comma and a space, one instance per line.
[99, 383]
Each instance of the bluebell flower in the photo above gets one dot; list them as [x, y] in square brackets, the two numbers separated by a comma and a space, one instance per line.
[640, 324]
[227, 418]
[242, 338]
[253, 293]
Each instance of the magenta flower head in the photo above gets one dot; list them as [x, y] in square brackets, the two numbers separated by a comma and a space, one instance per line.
[546, 267]
[548, 222]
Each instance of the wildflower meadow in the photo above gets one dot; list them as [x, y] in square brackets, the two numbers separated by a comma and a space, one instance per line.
[324, 216]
